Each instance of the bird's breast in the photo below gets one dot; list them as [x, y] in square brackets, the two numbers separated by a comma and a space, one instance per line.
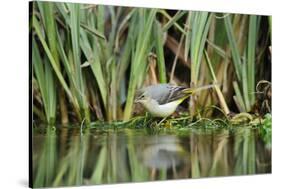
[163, 110]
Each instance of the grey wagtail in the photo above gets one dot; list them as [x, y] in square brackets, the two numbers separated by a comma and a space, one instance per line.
[161, 100]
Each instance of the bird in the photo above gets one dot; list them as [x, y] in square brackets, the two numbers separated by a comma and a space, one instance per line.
[162, 100]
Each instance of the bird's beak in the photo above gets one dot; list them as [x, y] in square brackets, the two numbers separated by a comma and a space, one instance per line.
[136, 101]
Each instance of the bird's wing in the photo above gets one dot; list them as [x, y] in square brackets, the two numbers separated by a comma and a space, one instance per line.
[167, 93]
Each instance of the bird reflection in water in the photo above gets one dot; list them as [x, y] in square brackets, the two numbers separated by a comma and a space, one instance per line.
[163, 153]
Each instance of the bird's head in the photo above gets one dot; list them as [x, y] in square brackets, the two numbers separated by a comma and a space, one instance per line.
[142, 97]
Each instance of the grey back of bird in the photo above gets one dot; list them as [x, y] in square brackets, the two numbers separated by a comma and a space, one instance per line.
[164, 93]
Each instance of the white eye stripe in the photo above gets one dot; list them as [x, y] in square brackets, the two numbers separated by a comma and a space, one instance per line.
[142, 96]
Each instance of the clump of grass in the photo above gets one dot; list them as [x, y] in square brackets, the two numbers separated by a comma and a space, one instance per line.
[244, 65]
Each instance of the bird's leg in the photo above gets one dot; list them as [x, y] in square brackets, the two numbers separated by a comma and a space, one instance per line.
[161, 121]
[174, 170]
[153, 174]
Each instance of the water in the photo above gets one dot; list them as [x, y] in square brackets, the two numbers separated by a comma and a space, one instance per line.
[69, 156]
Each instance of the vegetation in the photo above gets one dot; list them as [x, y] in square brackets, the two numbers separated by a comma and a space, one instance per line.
[89, 60]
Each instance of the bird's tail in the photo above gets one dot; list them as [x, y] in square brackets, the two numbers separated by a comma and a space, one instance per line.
[196, 89]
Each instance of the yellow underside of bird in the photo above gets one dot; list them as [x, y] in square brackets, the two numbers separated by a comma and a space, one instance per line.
[163, 110]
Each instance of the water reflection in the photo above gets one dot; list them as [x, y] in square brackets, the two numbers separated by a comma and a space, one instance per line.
[162, 152]
[66, 157]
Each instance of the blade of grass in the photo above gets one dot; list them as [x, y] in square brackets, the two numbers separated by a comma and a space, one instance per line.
[48, 17]
[93, 59]
[70, 73]
[219, 93]
[176, 59]
[158, 33]
[51, 92]
[39, 72]
[173, 20]
[233, 47]
[75, 31]
[92, 31]
[75, 40]
[122, 27]
[50, 26]
[51, 58]
[218, 49]
[188, 36]
[164, 13]
[138, 62]
[245, 86]
[63, 11]
[45, 80]
[239, 96]
[252, 37]
[200, 27]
